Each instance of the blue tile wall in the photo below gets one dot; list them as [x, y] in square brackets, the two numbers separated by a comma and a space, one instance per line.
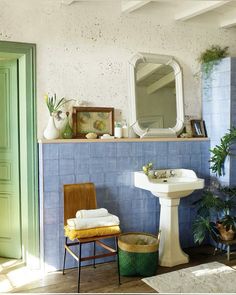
[110, 166]
[219, 108]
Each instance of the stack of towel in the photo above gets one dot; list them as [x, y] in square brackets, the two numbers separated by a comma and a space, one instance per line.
[86, 219]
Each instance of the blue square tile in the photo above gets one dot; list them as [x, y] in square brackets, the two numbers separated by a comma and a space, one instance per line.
[51, 216]
[184, 148]
[110, 165]
[124, 164]
[51, 184]
[173, 148]
[50, 167]
[66, 167]
[149, 149]
[162, 162]
[66, 179]
[50, 151]
[82, 166]
[80, 178]
[161, 148]
[82, 150]
[205, 148]
[51, 200]
[97, 150]
[195, 148]
[97, 178]
[185, 161]
[66, 151]
[104, 149]
[173, 162]
[97, 164]
[137, 149]
[124, 148]
[113, 178]
[51, 232]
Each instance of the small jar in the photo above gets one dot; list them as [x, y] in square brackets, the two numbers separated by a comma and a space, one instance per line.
[118, 130]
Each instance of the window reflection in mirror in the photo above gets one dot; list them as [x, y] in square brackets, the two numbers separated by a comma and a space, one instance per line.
[155, 95]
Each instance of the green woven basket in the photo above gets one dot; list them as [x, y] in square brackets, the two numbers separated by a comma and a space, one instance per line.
[138, 254]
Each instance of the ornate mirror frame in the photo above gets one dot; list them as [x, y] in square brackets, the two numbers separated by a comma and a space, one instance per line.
[161, 59]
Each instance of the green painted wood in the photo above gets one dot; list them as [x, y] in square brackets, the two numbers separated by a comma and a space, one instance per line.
[10, 225]
[26, 54]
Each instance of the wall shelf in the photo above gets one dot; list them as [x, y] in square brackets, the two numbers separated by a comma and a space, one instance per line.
[77, 140]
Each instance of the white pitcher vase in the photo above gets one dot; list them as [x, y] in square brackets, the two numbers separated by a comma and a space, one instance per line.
[51, 131]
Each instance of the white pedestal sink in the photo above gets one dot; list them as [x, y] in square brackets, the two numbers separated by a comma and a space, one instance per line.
[170, 186]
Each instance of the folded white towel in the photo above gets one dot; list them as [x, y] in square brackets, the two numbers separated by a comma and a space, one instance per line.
[93, 213]
[85, 223]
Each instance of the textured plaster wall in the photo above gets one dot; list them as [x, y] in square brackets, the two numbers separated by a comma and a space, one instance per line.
[83, 49]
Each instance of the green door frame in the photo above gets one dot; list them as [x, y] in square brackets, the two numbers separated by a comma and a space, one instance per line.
[26, 55]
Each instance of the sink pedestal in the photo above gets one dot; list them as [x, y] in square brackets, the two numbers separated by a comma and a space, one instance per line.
[170, 252]
[177, 184]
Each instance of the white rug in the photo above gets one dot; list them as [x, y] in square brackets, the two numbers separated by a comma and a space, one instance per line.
[211, 277]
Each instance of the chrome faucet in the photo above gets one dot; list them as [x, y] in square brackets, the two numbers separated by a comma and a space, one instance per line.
[172, 173]
[160, 174]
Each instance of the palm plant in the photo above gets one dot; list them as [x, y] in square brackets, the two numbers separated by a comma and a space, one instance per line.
[214, 213]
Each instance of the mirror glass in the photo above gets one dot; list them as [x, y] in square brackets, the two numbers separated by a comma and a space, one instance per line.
[156, 95]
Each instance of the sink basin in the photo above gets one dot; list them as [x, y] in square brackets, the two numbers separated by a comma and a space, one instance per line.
[182, 184]
[170, 186]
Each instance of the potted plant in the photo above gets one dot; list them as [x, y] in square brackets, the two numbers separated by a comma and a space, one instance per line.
[214, 217]
[211, 57]
[54, 107]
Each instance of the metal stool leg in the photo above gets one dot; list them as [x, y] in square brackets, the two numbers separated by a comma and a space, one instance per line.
[79, 267]
[228, 252]
[64, 258]
[94, 254]
[118, 261]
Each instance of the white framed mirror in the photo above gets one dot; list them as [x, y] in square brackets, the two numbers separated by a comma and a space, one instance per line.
[156, 95]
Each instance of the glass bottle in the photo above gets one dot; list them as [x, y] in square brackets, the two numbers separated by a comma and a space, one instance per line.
[68, 132]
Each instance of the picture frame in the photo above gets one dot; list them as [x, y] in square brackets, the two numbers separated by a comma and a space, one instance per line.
[97, 120]
[198, 128]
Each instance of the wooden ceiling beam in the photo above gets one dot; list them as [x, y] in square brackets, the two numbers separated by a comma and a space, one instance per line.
[198, 8]
[228, 23]
[147, 70]
[67, 2]
[130, 6]
[161, 83]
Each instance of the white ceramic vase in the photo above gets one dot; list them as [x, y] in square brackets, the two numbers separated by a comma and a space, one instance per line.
[51, 131]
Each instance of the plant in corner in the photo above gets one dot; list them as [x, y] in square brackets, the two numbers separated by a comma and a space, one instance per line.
[221, 151]
[214, 217]
[211, 57]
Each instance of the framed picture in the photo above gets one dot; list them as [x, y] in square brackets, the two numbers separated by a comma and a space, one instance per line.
[198, 128]
[90, 119]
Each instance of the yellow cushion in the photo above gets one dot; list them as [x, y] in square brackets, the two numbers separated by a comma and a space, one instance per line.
[73, 234]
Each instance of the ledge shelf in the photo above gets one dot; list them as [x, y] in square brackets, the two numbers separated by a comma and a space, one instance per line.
[130, 139]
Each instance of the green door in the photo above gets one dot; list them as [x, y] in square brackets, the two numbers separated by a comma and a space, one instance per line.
[10, 223]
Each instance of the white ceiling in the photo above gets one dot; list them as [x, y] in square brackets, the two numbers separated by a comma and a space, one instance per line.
[221, 13]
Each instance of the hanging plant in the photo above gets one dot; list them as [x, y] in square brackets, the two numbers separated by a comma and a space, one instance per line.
[211, 57]
[220, 152]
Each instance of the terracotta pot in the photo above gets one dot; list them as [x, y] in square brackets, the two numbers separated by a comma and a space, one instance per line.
[225, 235]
